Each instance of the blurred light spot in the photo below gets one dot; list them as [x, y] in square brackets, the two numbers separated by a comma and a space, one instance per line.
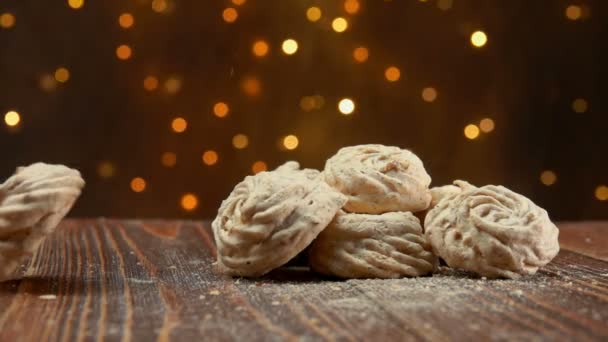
[159, 6]
[220, 109]
[251, 86]
[346, 106]
[179, 125]
[313, 13]
[307, 103]
[548, 177]
[471, 131]
[240, 141]
[210, 157]
[173, 85]
[260, 48]
[574, 12]
[48, 82]
[123, 52]
[360, 54]
[601, 193]
[189, 202]
[289, 46]
[7, 20]
[76, 4]
[168, 159]
[230, 14]
[106, 169]
[319, 101]
[138, 184]
[351, 6]
[444, 5]
[339, 24]
[580, 105]
[291, 142]
[486, 125]
[479, 39]
[62, 75]
[238, 2]
[150, 83]
[429, 94]
[392, 74]
[126, 20]
[12, 118]
[259, 166]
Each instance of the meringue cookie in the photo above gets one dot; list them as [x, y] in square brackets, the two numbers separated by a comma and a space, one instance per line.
[390, 245]
[492, 231]
[270, 217]
[32, 202]
[440, 192]
[378, 179]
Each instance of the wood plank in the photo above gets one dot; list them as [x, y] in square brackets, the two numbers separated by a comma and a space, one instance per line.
[153, 280]
[587, 238]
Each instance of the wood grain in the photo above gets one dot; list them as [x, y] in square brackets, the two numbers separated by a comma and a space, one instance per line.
[117, 280]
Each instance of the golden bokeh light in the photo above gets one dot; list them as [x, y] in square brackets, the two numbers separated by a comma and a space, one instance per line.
[221, 109]
[76, 4]
[360, 54]
[548, 177]
[319, 101]
[240, 141]
[291, 142]
[47, 82]
[7, 20]
[123, 52]
[351, 6]
[251, 86]
[106, 169]
[429, 94]
[62, 75]
[307, 103]
[574, 12]
[12, 118]
[258, 167]
[471, 131]
[179, 125]
[486, 125]
[289, 46]
[210, 157]
[601, 193]
[173, 85]
[126, 20]
[346, 106]
[339, 24]
[168, 159]
[580, 105]
[392, 74]
[230, 15]
[238, 2]
[159, 6]
[444, 5]
[313, 13]
[260, 48]
[138, 184]
[189, 202]
[150, 83]
[479, 39]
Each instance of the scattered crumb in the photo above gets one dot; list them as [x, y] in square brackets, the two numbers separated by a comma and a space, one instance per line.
[588, 240]
[517, 292]
[48, 296]
[275, 303]
[172, 267]
[131, 252]
[201, 297]
[208, 316]
[214, 292]
[484, 278]
[336, 288]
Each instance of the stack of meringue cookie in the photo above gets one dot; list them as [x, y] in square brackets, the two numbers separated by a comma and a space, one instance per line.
[360, 219]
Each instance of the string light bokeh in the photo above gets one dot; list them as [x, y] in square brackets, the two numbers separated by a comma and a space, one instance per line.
[165, 105]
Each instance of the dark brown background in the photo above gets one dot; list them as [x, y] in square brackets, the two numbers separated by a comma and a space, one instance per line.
[535, 64]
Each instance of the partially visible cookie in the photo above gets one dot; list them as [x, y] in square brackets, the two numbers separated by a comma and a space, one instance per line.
[492, 231]
[270, 217]
[32, 202]
[378, 179]
[440, 192]
[389, 245]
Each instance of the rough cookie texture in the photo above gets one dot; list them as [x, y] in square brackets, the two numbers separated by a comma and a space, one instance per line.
[270, 217]
[378, 179]
[32, 202]
[492, 231]
[440, 192]
[389, 245]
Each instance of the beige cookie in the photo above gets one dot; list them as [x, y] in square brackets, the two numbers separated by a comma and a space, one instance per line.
[378, 179]
[492, 231]
[32, 202]
[390, 245]
[440, 192]
[270, 217]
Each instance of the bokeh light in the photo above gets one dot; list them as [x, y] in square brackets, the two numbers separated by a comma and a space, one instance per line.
[486, 125]
[173, 85]
[601, 193]
[251, 86]
[76, 4]
[351, 6]
[291, 142]
[479, 39]
[346, 106]
[210, 157]
[48, 82]
[159, 6]
[240, 141]
[260, 48]
[168, 159]
[289, 46]
[313, 14]
[574, 12]
[444, 5]
[7, 20]
[230, 15]
[360, 54]
[189, 202]
[392, 74]
[258, 167]
[471, 131]
[62, 75]
[138, 184]
[548, 177]
[123, 52]
[339, 24]
[429, 94]
[12, 118]
[221, 109]
[150, 83]
[106, 169]
[126, 20]
[179, 125]
[238, 2]
[580, 105]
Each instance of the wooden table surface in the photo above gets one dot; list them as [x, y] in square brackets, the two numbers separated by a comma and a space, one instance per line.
[121, 280]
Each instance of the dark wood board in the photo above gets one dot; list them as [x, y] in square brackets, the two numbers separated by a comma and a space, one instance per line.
[121, 280]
